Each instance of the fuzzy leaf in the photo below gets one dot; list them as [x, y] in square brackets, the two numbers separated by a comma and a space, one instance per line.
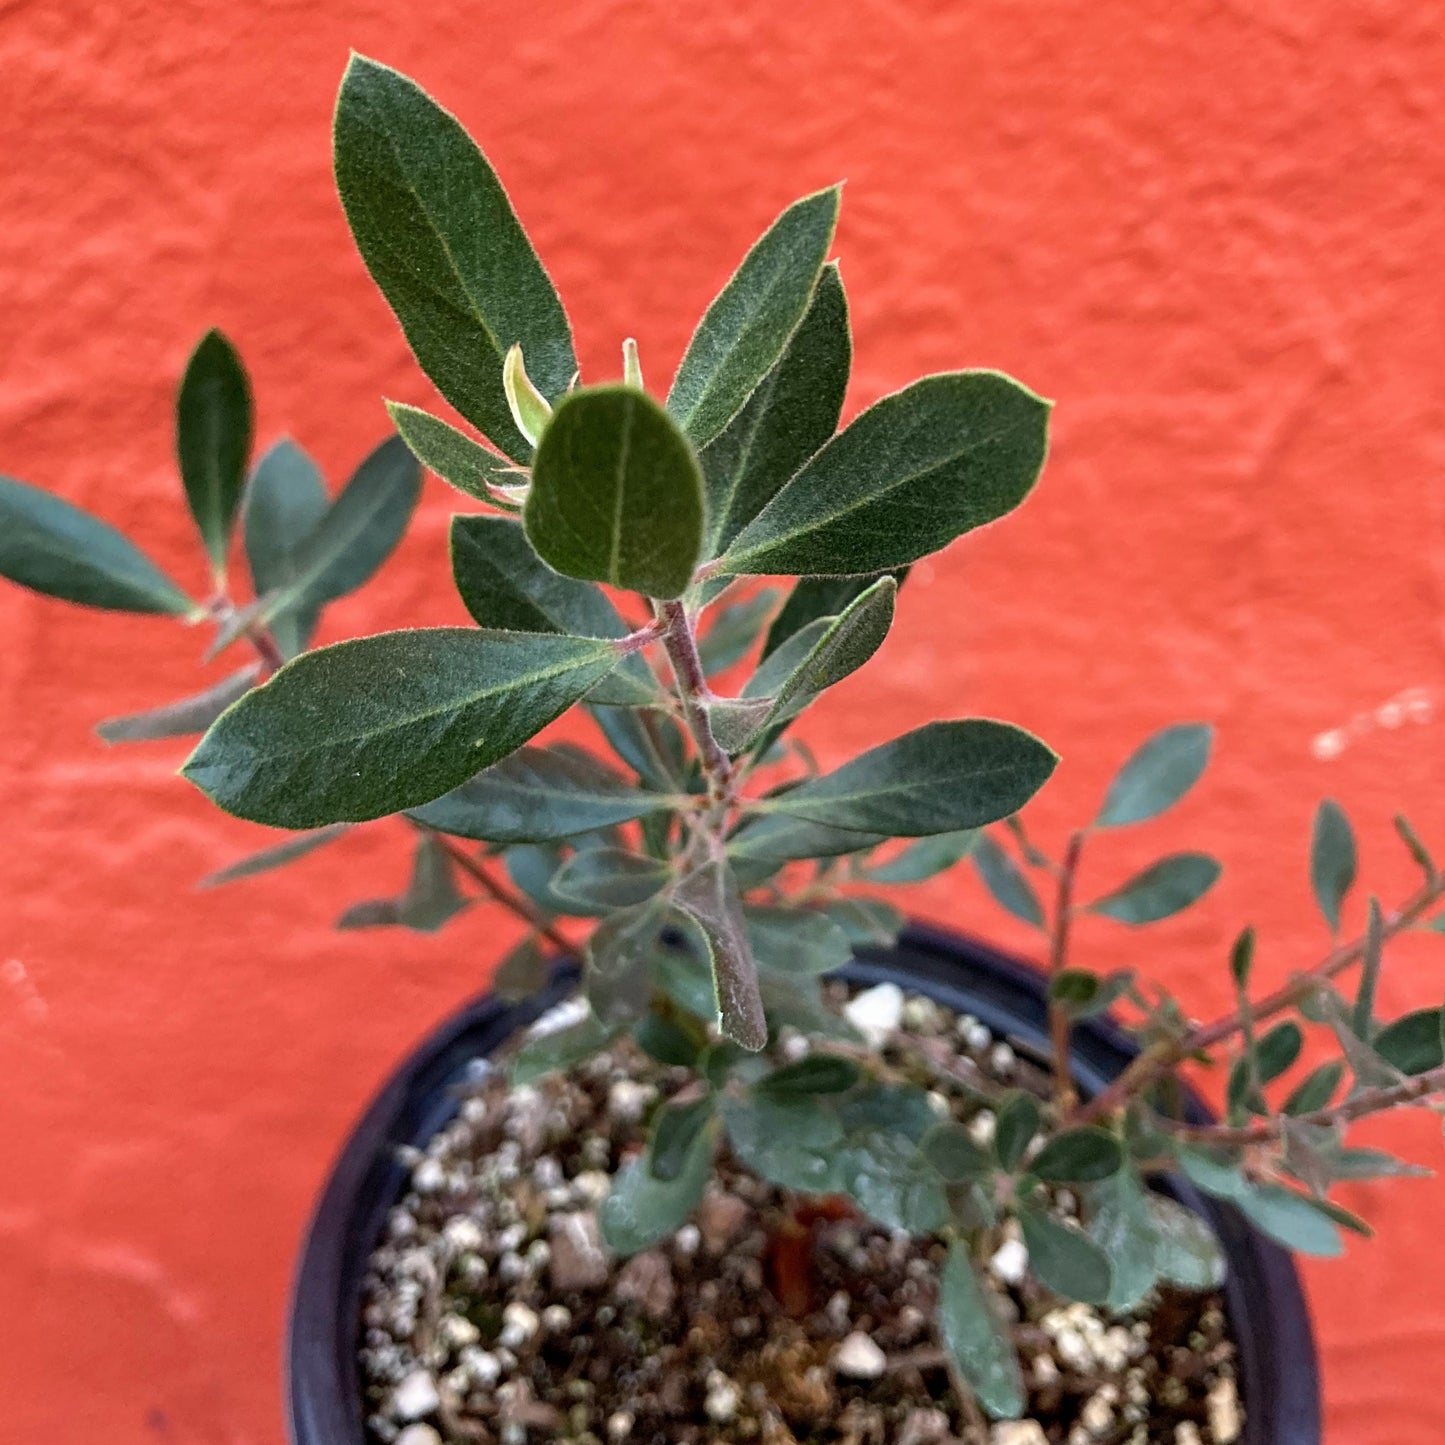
[1316, 1089]
[214, 425]
[642, 1208]
[268, 858]
[1332, 860]
[936, 779]
[893, 1182]
[734, 630]
[1412, 1044]
[523, 971]
[1157, 776]
[620, 954]
[616, 494]
[951, 1152]
[792, 413]
[1065, 1259]
[674, 1135]
[817, 597]
[913, 472]
[1290, 1219]
[183, 718]
[536, 794]
[558, 1049]
[1186, 1251]
[432, 896]
[58, 550]
[389, 722]
[924, 859]
[1084, 995]
[1078, 1156]
[753, 318]
[798, 942]
[977, 1339]
[791, 1142]
[441, 240]
[1161, 890]
[818, 1073]
[1007, 882]
[451, 454]
[710, 896]
[769, 841]
[285, 500]
[1018, 1117]
[605, 878]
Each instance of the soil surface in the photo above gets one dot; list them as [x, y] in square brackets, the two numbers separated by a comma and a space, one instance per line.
[494, 1316]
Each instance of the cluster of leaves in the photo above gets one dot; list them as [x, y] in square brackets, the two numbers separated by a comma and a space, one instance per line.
[712, 860]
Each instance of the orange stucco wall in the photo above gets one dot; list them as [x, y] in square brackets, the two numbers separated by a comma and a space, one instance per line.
[1211, 230]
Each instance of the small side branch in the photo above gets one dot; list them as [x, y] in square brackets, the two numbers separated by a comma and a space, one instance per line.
[1058, 958]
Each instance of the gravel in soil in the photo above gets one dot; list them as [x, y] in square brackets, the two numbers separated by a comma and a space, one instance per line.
[494, 1315]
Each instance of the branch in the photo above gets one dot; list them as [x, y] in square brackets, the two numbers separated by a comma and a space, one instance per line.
[1058, 954]
[1159, 1060]
[1357, 1106]
[693, 689]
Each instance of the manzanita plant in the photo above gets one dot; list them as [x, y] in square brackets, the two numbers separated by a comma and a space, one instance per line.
[613, 568]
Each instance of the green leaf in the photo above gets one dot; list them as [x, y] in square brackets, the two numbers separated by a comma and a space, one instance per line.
[764, 843]
[389, 722]
[187, 716]
[1363, 1018]
[651, 743]
[1007, 882]
[936, 779]
[1118, 1222]
[558, 1049]
[620, 955]
[1332, 860]
[734, 630]
[800, 1005]
[792, 413]
[1412, 1044]
[1316, 1089]
[1290, 1219]
[532, 866]
[358, 532]
[893, 1182]
[866, 922]
[736, 720]
[1065, 1259]
[840, 649]
[1241, 961]
[908, 476]
[1157, 776]
[616, 494]
[674, 1135]
[1417, 850]
[214, 426]
[441, 240]
[792, 1142]
[818, 1073]
[799, 942]
[604, 878]
[901, 1109]
[451, 454]
[1217, 1177]
[753, 318]
[285, 500]
[665, 1041]
[813, 598]
[642, 1208]
[1161, 890]
[1186, 1251]
[523, 971]
[924, 859]
[1078, 1156]
[709, 895]
[1018, 1118]
[977, 1338]
[1084, 995]
[277, 857]
[1278, 1051]
[539, 793]
[58, 550]
[505, 585]
[432, 897]
[953, 1155]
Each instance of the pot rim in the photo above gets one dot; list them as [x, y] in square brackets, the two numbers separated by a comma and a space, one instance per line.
[1264, 1301]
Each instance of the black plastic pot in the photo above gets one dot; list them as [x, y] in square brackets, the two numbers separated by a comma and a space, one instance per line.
[1279, 1379]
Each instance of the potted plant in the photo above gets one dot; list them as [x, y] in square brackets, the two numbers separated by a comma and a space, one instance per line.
[761, 1164]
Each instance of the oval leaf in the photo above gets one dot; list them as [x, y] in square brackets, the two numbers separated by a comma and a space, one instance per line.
[1006, 882]
[796, 941]
[441, 240]
[188, 716]
[913, 472]
[1157, 776]
[792, 413]
[604, 878]
[451, 454]
[1065, 1259]
[384, 723]
[1078, 1156]
[56, 549]
[1332, 860]
[709, 895]
[1162, 890]
[616, 494]
[213, 440]
[750, 321]
[936, 779]
[977, 1339]
[285, 500]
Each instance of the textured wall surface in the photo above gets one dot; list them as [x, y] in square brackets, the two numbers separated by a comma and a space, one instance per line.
[1210, 229]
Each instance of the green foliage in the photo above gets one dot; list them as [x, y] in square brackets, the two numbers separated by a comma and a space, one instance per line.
[416, 713]
[1066, 1259]
[605, 878]
[285, 501]
[753, 318]
[214, 427]
[976, 1338]
[1332, 860]
[1157, 776]
[185, 717]
[792, 413]
[923, 859]
[283, 853]
[709, 896]
[441, 240]
[51, 547]
[431, 899]
[643, 1207]
[1005, 881]
[616, 494]
[1018, 1119]
[796, 941]
[912, 473]
[1163, 889]
[1078, 1156]
[451, 454]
